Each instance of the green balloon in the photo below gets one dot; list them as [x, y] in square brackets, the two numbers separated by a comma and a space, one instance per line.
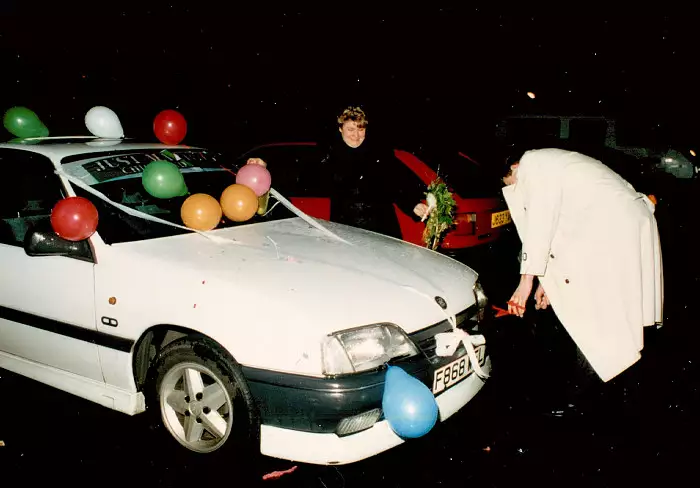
[162, 179]
[20, 140]
[22, 122]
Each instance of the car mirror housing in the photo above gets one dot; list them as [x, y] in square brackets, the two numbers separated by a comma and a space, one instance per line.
[43, 241]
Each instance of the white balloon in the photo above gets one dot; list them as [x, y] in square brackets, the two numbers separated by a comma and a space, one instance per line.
[102, 143]
[103, 122]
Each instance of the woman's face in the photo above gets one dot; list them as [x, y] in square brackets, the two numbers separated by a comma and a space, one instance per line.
[352, 134]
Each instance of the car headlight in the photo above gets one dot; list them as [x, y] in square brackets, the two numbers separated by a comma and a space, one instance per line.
[364, 348]
[481, 299]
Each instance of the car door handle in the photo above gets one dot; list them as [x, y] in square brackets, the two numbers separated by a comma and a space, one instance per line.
[110, 321]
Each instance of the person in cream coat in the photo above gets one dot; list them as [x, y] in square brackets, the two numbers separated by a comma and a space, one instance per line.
[592, 243]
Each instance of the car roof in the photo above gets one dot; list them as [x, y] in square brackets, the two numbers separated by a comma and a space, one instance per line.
[59, 147]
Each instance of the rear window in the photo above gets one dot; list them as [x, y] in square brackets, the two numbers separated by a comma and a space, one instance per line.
[466, 175]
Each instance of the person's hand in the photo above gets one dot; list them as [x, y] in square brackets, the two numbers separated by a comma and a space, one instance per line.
[420, 210]
[257, 161]
[541, 300]
[516, 304]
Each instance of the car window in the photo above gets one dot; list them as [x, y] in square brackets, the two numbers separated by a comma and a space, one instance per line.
[292, 167]
[29, 194]
[468, 176]
[588, 131]
[532, 131]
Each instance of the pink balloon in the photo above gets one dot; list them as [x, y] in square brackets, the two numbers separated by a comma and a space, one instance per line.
[255, 177]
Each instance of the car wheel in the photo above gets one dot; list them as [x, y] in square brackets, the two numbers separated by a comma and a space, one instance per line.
[203, 399]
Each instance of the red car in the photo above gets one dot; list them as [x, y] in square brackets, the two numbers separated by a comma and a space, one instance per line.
[481, 213]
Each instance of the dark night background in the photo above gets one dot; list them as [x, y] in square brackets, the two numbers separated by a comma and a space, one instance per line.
[439, 75]
[243, 76]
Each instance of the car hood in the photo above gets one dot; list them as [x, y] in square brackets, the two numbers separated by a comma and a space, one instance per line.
[269, 292]
[370, 277]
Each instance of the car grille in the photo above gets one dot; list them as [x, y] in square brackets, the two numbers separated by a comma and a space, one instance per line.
[425, 339]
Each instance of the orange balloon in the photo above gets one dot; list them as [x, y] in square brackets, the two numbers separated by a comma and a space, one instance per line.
[239, 202]
[200, 212]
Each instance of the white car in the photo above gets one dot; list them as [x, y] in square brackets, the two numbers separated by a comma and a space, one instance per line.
[274, 333]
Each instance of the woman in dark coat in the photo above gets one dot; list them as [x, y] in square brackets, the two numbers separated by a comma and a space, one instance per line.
[364, 179]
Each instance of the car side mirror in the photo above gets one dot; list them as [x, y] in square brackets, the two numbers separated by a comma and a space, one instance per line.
[43, 241]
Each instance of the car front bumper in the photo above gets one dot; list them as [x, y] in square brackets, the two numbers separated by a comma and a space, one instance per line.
[327, 448]
[338, 420]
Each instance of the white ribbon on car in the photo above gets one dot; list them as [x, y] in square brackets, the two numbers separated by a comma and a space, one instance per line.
[137, 213]
[306, 218]
[446, 343]
[218, 239]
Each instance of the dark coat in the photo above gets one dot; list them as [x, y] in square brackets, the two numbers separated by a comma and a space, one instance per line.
[363, 183]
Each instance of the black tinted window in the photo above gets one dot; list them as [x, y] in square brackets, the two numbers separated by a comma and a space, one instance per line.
[588, 131]
[533, 132]
[30, 192]
[468, 176]
[291, 166]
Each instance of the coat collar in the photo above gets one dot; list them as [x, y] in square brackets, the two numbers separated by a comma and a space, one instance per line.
[515, 200]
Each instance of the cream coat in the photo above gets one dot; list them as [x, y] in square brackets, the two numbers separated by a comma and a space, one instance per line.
[593, 242]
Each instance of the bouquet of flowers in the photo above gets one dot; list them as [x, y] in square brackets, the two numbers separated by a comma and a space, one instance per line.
[441, 207]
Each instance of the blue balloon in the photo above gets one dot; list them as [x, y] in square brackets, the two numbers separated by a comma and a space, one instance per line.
[409, 406]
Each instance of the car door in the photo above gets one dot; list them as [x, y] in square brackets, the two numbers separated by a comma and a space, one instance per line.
[46, 302]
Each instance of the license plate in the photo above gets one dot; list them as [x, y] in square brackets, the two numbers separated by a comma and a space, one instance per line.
[500, 218]
[451, 374]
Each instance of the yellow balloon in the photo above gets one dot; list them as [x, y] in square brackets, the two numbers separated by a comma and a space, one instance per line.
[263, 201]
[239, 203]
[201, 212]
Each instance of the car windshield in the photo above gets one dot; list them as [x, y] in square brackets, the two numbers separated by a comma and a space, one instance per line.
[118, 176]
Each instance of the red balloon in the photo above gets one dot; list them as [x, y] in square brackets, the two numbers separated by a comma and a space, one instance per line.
[74, 218]
[170, 127]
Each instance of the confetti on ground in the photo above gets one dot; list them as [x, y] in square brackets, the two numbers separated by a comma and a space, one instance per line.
[278, 474]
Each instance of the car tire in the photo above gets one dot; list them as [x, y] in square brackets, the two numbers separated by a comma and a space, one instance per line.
[199, 397]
